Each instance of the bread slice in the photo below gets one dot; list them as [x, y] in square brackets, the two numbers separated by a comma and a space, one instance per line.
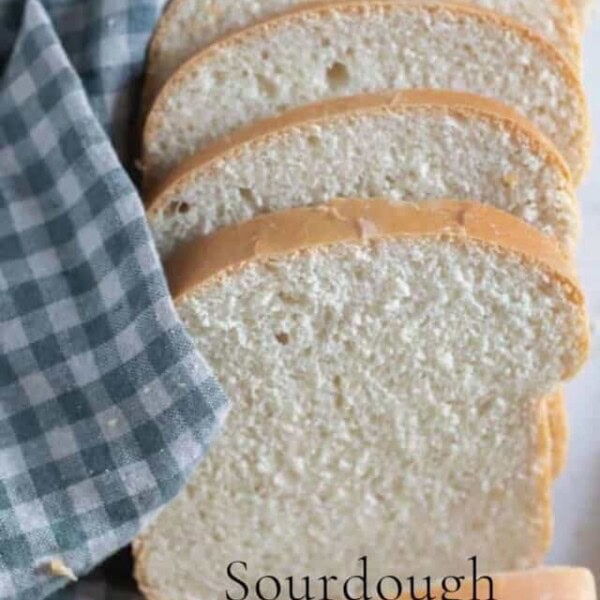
[384, 362]
[410, 146]
[559, 432]
[555, 583]
[188, 26]
[344, 48]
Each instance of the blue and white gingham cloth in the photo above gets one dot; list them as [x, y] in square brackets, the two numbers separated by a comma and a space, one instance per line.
[105, 405]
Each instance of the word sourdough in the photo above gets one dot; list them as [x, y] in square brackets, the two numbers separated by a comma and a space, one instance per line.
[356, 587]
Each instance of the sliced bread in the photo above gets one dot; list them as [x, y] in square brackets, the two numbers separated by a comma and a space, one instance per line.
[552, 583]
[411, 146]
[344, 48]
[188, 26]
[384, 362]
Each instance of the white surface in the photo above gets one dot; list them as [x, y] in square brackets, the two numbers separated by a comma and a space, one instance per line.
[577, 539]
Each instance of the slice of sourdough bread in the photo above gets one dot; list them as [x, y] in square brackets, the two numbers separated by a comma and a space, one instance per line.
[405, 146]
[344, 48]
[384, 363]
[188, 26]
[556, 583]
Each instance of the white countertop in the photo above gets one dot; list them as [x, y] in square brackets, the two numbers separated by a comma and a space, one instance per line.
[577, 497]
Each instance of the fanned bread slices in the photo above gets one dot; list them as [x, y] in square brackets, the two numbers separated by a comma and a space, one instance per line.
[188, 26]
[555, 583]
[411, 146]
[384, 362]
[344, 48]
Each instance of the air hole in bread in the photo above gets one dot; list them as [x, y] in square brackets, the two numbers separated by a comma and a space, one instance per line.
[314, 141]
[266, 86]
[287, 299]
[183, 208]
[339, 398]
[283, 338]
[485, 408]
[338, 76]
[265, 55]
[248, 195]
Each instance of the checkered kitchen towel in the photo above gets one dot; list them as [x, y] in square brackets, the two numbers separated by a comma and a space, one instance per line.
[105, 405]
